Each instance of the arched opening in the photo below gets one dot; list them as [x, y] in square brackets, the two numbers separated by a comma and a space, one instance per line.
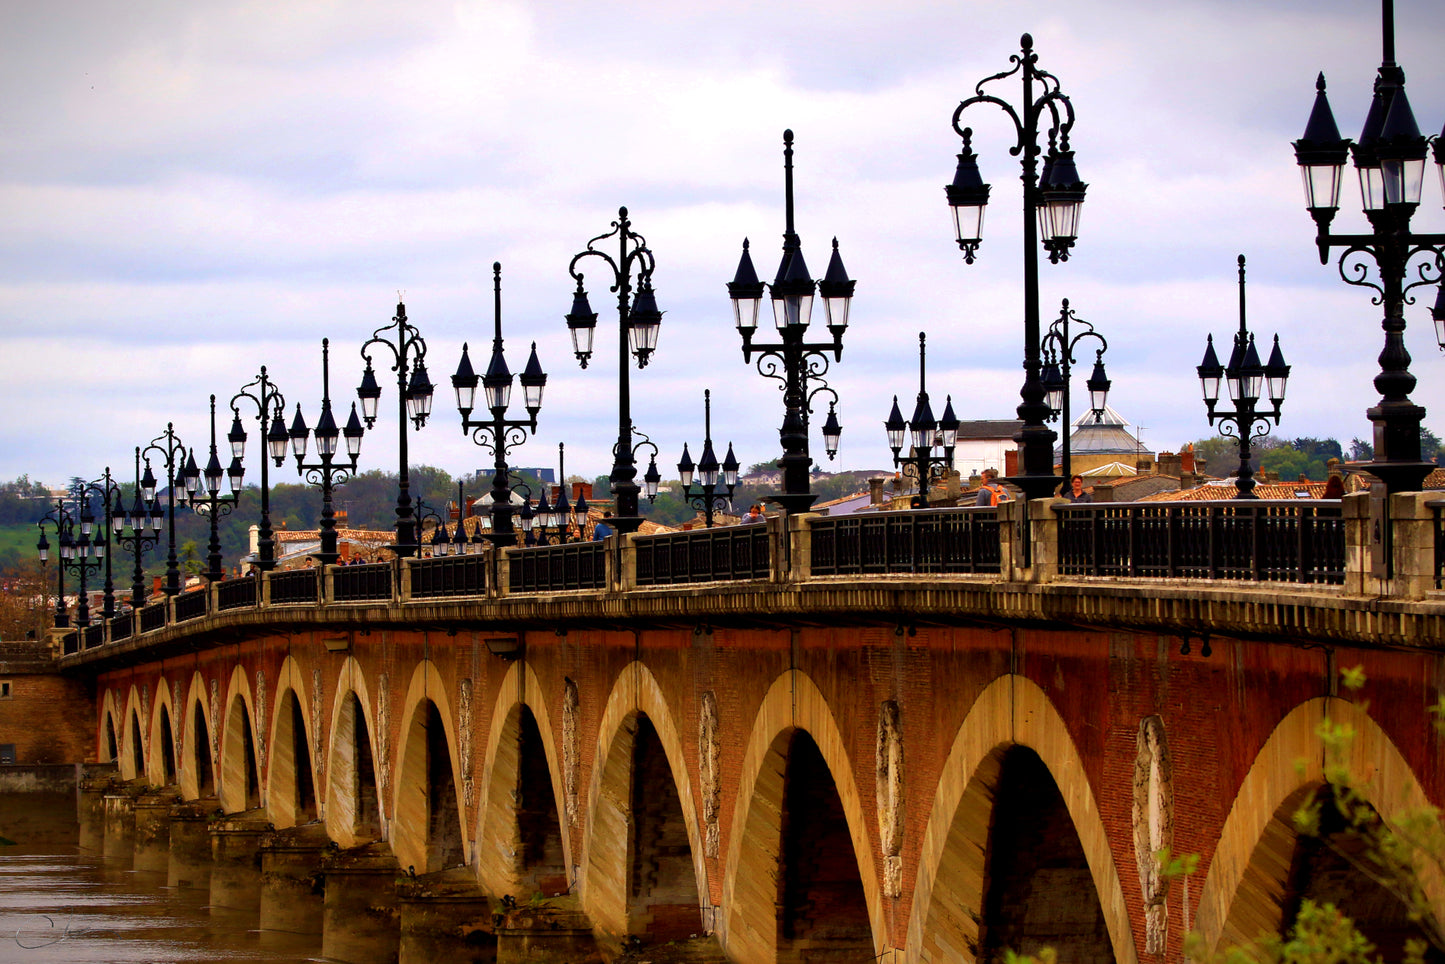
[353, 813]
[292, 795]
[428, 797]
[822, 910]
[200, 742]
[520, 849]
[112, 751]
[240, 776]
[137, 748]
[168, 749]
[1038, 890]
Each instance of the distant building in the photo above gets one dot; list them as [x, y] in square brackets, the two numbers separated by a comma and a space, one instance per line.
[1105, 448]
[986, 444]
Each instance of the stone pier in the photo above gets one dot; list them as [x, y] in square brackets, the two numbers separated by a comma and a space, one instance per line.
[553, 931]
[190, 843]
[91, 811]
[361, 924]
[236, 861]
[445, 917]
[153, 830]
[119, 804]
[291, 883]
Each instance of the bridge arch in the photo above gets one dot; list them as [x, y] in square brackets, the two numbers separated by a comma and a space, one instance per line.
[291, 796]
[1011, 711]
[499, 861]
[1243, 889]
[638, 720]
[164, 768]
[197, 759]
[240, 783]
[108, 730]
[793, 704]
[132, 760]
[427, 799]
[354, 804]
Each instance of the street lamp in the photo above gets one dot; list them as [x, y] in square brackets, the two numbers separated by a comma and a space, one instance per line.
[637, 324]
[706, 496]
[1390, 161]
[179, 484]
[413, 399]
[924, 435]
[499, 434]
[144, 528]
[1058, 348]
[556, 519]
[105, 489]
[1051, 214]
[270, 403]
[1246, 380]
[326, 471]
[208, 500]
[82, 550]
[802, 362]
[59, 519]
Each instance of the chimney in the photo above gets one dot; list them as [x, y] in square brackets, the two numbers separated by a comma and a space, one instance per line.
[1011, 463]
[581, 490]
[875, 491]
[1103, 492]
[1332, 467]
[1144, 466]
[156, 586]
[1171, 464]
[1186, 458]
[1187, 480]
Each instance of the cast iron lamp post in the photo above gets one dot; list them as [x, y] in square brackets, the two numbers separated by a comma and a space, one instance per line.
[270, 403]
[144, 529]
[557, 518]
[170, 450]
[925, 434]
[499, 434]
[1054, 197]
[802, 361]
[1390, 160]
[208, 501]
[413, 399]
[1246, 378]
[326, 471]
[108, 493]
[1058, 348]
[59, 519]
[706, 496]
[637, 323]
[81, 552]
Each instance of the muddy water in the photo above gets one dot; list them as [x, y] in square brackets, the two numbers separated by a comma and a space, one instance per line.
[58, 905]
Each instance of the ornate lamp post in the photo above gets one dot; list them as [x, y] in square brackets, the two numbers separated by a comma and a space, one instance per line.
[1390, 160]
[270, 404]
[170, 450]
[556, 519]
[59, 520]
[211, 503]
[1058, 348]
[1054, 198]
[326, 471]
[925, 434]
[705, 496]
[499, 434]
[637, 324]
[1246, 378]
[802, 361]
[413, 399]
[105, 489]
[81, 552]
[137, 529]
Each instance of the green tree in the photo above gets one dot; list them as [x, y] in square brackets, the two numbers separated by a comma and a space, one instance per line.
[1360, 450]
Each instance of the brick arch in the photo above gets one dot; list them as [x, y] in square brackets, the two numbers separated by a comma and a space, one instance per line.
[495, 814]
[281, 772]
[1241, 884]
[340, 795]
[197, 701]
[231, 787]
[605, 865]
[1010, 710]
[410, 820]
[155, 763]
[793, 702]
[131, 723]
[109, 715]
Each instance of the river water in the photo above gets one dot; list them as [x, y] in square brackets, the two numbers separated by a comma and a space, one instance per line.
[59, 905]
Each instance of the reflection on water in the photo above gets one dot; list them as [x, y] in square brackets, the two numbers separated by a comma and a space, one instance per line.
[70, 907]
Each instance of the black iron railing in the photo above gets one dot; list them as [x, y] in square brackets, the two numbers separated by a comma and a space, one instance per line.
[93, 635]
[578, 565]
[360, 583]
[237, 593]
[153, 617]
[449, 576]
[920, 541]
[1439, 509]
[191, 605]
[70, 643]
[294, 586]
[121, 627]
[703, 555]
[1287, 541]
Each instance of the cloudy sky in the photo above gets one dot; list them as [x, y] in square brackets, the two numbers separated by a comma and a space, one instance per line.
[192, 190]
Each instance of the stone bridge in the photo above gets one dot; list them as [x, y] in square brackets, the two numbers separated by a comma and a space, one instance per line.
[774, 743]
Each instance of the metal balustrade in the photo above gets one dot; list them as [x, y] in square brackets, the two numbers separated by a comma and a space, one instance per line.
[1286, 541]
[449, 576]
[191, 605]
[920, 541]
[703, 555]
[239, 593]
[93, 635]
[578, 565]
[121, 627]
[361, 583]
[153, 617]
[294, 586]
[70, 642]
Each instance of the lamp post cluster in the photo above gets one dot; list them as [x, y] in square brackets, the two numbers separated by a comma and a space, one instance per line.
[557, 519]
[210, 502]
[1058, 348]
[458, 544]
[1246, 379]
[137, 528]
[925, 434]
[708, 495]
[1389, 158]
[327, 470]
[804, 364]
[414, 395]
[83, 548]
[270, 403]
